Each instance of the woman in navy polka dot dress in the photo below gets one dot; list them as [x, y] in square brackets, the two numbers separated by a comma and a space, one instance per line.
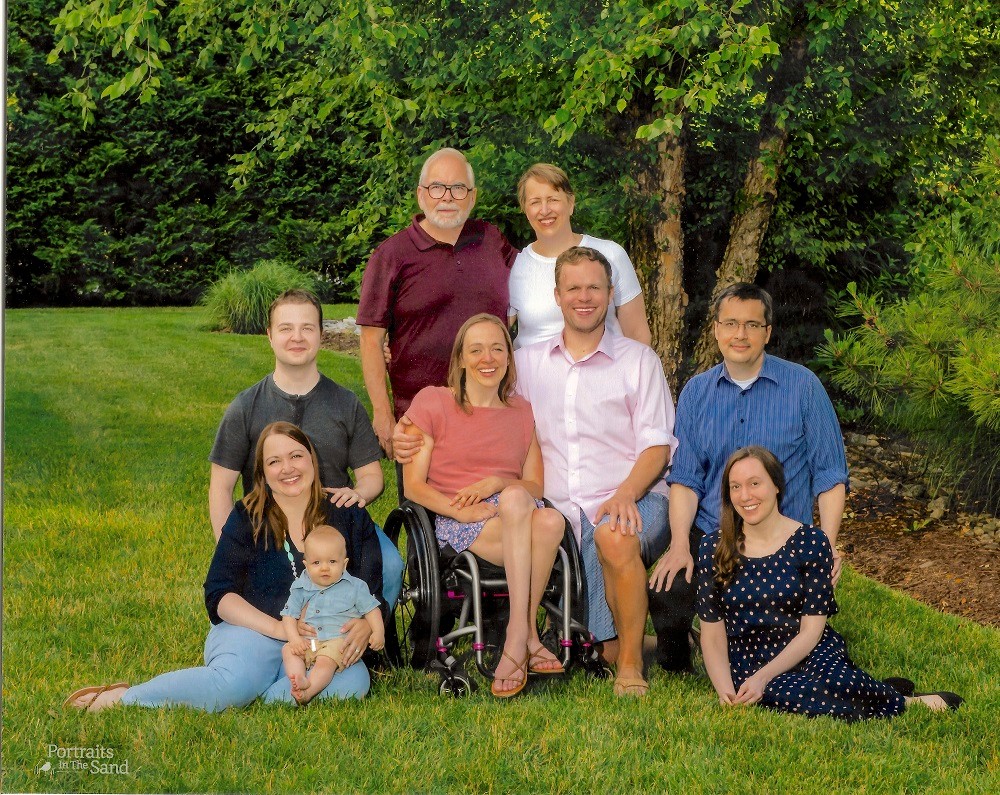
[764, 594]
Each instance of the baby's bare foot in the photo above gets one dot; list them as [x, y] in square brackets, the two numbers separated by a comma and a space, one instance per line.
[300, 684]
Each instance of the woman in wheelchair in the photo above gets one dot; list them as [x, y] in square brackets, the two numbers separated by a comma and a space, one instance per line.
[480, 470]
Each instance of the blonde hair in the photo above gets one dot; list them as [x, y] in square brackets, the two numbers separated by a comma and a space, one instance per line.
[547, 173]
[323, 532]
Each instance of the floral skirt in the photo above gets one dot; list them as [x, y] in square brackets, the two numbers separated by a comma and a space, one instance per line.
[460, 535]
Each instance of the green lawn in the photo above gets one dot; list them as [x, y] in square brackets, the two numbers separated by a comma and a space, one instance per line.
[109, 418]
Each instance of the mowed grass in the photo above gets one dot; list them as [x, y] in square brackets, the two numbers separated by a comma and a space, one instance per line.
[109, 418]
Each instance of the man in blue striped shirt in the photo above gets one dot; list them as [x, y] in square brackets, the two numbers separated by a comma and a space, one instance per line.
[751, 398]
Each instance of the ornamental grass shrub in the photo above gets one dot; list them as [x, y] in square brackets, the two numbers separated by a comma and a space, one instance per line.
[238, 302]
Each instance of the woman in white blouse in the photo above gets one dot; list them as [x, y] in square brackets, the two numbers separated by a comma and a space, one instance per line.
[547, 200]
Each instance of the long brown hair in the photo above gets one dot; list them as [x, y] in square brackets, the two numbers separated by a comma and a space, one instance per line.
[731, 536]
[260, 503]
[456, 368]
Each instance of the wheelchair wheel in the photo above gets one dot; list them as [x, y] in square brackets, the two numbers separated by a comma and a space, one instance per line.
[417, 614]
[456, 685]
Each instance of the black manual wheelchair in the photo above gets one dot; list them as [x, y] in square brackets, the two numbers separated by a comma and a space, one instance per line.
[453, 607]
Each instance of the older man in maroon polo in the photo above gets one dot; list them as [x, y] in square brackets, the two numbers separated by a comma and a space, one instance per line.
[423, 283]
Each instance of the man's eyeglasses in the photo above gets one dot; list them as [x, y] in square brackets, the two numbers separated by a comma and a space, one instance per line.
[751, 326]
[437, 190]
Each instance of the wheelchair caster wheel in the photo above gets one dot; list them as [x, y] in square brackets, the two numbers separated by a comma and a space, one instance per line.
[595, 666]
[456, 686]
[599, 670]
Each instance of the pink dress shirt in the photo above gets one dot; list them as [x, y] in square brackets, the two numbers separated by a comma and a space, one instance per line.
[594, 417]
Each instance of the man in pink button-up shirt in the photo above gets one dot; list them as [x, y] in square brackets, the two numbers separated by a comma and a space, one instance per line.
[604, 420]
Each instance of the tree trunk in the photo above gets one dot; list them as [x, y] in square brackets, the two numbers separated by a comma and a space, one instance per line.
[755, 201]
[657, 248]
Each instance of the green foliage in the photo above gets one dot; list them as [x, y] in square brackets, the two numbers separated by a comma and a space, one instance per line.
[138, 207]
[106, 543]
[660, 62]
[871, 147]
[239, 301]
[320, 114]
[930, 363]
[128, 211]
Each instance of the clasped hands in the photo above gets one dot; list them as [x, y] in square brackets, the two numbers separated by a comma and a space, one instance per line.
[750, 692]
[468, 501]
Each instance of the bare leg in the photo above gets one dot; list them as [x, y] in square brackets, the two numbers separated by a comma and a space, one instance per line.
[506, 541]
[320, 676]
[547, 530]
[609, 649]
[625, 587]
[295, 669]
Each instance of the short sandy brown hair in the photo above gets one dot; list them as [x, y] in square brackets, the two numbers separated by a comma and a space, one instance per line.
[295, 296]
[575, 254]
[547, 173]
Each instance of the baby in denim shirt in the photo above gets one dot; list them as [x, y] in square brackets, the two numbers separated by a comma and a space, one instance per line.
[332, 597]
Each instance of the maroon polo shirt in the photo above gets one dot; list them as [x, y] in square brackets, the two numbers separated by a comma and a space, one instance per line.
[421, 291]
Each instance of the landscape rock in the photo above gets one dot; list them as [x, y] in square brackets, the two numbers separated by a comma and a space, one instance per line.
[937, 507]
[346, 326]
[914, 490]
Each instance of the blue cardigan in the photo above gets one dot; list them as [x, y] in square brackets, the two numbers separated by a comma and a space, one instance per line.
[262, 574]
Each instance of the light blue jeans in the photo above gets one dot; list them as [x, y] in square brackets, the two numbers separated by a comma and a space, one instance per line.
[241, 665]
[653, 542]
[392, 569]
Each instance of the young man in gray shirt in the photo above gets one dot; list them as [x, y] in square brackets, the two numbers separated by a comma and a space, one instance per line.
[330, 415]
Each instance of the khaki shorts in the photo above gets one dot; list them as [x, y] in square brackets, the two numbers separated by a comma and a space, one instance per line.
[333, 648]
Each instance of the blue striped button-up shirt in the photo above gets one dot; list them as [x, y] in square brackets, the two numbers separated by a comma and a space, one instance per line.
[785, 410]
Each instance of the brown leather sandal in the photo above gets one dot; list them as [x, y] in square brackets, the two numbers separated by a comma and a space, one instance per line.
[521, 667]
[94, 692]
[535, 657]
[631, 687]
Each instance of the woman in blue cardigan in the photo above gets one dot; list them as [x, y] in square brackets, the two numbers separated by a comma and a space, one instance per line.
[255, 562]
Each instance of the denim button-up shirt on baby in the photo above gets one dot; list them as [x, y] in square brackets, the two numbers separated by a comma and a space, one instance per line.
[331, 607]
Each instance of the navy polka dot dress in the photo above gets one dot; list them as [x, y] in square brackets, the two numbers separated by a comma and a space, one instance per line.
[761, 609]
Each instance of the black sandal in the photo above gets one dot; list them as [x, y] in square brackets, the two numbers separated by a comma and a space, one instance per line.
[904, 687]
[953, 700]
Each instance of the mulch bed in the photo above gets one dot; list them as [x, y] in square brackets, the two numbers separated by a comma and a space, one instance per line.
[342, 343]
[936, 564]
